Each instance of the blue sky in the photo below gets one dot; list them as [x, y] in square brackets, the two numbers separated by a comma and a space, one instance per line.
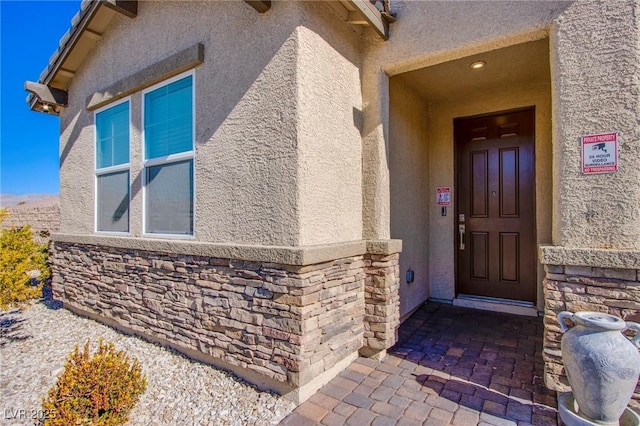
[29, 34]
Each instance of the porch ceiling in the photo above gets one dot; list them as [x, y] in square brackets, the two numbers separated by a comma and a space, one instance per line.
[519, 65]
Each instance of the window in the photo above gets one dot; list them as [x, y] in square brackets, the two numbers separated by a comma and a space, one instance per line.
[112, 168]
[168, 157]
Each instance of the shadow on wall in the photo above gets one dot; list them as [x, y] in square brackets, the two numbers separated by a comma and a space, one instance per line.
[246, 98]
[232, 76]
[227, 71]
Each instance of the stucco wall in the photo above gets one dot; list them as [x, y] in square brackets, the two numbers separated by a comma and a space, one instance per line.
[409, 187]
[434, 32]
[329, 143]
[594, 86]
[277, 142]
[422, 37]
[597, 90]
[246, 117]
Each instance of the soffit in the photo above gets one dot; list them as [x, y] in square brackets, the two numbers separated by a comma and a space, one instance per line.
[70, 60]
[519, 65]
[90, 23]
[87, 28]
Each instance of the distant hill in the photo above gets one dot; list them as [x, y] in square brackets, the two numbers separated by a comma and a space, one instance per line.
[29, 200]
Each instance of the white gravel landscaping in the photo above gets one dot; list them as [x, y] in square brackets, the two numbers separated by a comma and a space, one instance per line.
[34, 345]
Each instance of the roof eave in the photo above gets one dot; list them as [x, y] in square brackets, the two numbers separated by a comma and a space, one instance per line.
[45, 99]
[55, 76]
[372, 16]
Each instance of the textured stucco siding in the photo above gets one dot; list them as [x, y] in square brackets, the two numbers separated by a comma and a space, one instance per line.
[595, 63]
[307, 137]
[427, 34]
[595, 59]
[436, 247]
[246, 117]
[330, 154]
[409, 186]
[435, 32]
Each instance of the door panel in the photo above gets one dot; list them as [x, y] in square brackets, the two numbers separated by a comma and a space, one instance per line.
[509, 245]
[509, 200]
[479, 190]
[480, 250]
[496, 194]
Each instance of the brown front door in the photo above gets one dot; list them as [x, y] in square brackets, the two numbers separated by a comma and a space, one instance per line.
[496, 205]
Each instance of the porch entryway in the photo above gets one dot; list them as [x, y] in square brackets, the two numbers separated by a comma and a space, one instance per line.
[477, 128]
[451, 365]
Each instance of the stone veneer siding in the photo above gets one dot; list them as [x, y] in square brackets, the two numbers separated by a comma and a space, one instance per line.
[287, 323]
[583, 288]
[382, 302]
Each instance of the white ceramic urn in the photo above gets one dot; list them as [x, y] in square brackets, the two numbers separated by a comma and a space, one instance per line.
[602, 365]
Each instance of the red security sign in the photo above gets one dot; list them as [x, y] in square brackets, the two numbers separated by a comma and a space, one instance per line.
[443, 195]
[600, 153]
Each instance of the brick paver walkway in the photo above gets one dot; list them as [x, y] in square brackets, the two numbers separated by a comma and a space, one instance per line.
[451, 366]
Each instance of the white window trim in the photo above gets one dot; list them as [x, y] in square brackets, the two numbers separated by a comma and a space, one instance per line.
[111, 169]
[173, 158]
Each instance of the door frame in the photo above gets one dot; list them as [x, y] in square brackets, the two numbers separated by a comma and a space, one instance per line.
[531, 108]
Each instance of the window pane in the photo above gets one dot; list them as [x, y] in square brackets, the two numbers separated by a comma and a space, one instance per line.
[113, 202]
[112, 136]
[169, 198]
[168, 119]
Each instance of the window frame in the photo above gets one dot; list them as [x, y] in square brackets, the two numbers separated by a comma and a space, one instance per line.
[169, 159]
[97, 172]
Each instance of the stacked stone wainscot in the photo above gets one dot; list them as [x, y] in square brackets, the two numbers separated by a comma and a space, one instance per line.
[574, 288]
[382, 307]
[288, 328]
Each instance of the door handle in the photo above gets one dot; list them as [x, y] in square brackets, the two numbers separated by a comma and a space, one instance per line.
[461, 229]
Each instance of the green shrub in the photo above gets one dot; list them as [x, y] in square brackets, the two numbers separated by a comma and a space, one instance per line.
[95, 390]
[21, 261]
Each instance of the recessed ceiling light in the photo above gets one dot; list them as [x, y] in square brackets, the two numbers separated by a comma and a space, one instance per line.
[478, 64]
